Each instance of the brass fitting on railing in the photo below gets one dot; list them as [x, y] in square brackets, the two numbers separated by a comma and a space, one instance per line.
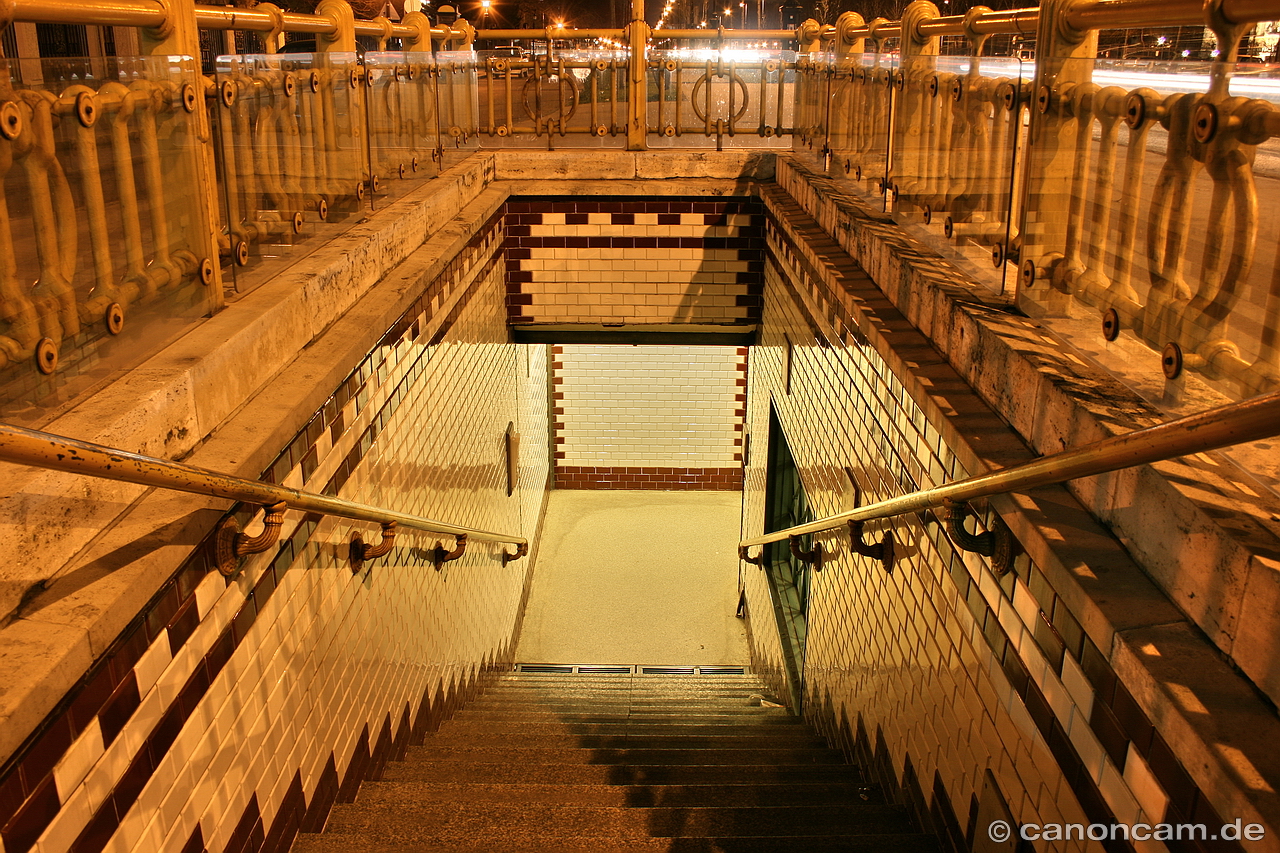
[359, 551]
[997, 543]
[440, 556]
[813, 557]
[230, 544]
[755, 561]
[882, 550]
[521, 550]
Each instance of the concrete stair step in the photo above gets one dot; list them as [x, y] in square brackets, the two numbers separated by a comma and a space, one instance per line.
[532, 794]
[742, 716]
[502, 771]
[516, 729]
[346, 842]
[789, 738]
[621, 700]
[587, 709]
[501, 822]
[671, 756]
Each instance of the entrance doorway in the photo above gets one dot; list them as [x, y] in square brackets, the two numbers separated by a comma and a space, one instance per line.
[786, 506]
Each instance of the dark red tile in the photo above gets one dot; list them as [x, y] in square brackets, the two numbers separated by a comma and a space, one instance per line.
[183, 625]
[195, 844]
[119, 708]
[46, 751]
[22, 830]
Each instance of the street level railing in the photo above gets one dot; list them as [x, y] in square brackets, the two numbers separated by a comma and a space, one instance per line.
[1100, 189]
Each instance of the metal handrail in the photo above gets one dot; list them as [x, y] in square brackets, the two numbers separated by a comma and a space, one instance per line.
[1249, 420]
[59, 453]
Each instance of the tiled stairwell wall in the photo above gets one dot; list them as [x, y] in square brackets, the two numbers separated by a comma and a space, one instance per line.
[231, 714]
[633, 260]
[968, 693]
[648, 417]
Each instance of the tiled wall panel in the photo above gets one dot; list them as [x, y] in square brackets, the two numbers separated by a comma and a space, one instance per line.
[648, 417]
[633, 260]
[939, 672]
[232, 714]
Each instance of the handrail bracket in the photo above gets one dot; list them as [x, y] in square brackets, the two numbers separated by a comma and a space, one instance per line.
[440, 556]
[230, 544]
[813, 557]
[521, 550]
[882, 550]
[997, 543]
[755, 561]
[359, 550]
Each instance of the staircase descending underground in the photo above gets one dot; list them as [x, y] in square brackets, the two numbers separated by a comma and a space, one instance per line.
[620, 762]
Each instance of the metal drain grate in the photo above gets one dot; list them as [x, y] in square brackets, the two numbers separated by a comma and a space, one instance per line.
[625, 669]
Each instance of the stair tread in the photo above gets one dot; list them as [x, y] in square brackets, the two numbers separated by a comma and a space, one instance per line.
[788, 739]
[622, 774]
[871, 843]
[650, 755]
[514, 820]
[527, 793]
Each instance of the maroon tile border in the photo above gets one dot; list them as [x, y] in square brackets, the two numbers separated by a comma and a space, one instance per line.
[659, 479]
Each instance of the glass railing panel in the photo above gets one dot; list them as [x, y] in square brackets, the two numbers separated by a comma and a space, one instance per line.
[103, 232]
[1144, 210]
[457, 100]
[731, 98]
[292, 161]
[959, 133]
[404, 137]
[1146, 244]
[855, 98]
[568, 98]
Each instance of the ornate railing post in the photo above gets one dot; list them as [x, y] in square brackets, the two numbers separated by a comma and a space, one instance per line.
[179, 36]
[637, 100]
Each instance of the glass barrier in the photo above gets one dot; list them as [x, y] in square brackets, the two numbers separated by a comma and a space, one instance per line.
[292, 157]
[855, 99]
[104, 234]
[404, 136]
[959, 131]
[457, 99]
[731, 98]
[1142, 209]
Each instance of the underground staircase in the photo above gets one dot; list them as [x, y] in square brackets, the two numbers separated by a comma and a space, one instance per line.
[546, 761]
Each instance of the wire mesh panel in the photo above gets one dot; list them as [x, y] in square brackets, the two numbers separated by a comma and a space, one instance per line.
[103, 245]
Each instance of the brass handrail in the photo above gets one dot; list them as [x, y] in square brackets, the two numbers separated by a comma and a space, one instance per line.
[59, 453]
[1249, 420]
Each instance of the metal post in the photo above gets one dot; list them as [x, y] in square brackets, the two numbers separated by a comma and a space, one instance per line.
[638, 102]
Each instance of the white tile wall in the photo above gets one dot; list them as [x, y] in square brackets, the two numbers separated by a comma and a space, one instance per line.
[648, 406]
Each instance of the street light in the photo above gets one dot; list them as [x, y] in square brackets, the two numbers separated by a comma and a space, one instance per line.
[486, 6]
